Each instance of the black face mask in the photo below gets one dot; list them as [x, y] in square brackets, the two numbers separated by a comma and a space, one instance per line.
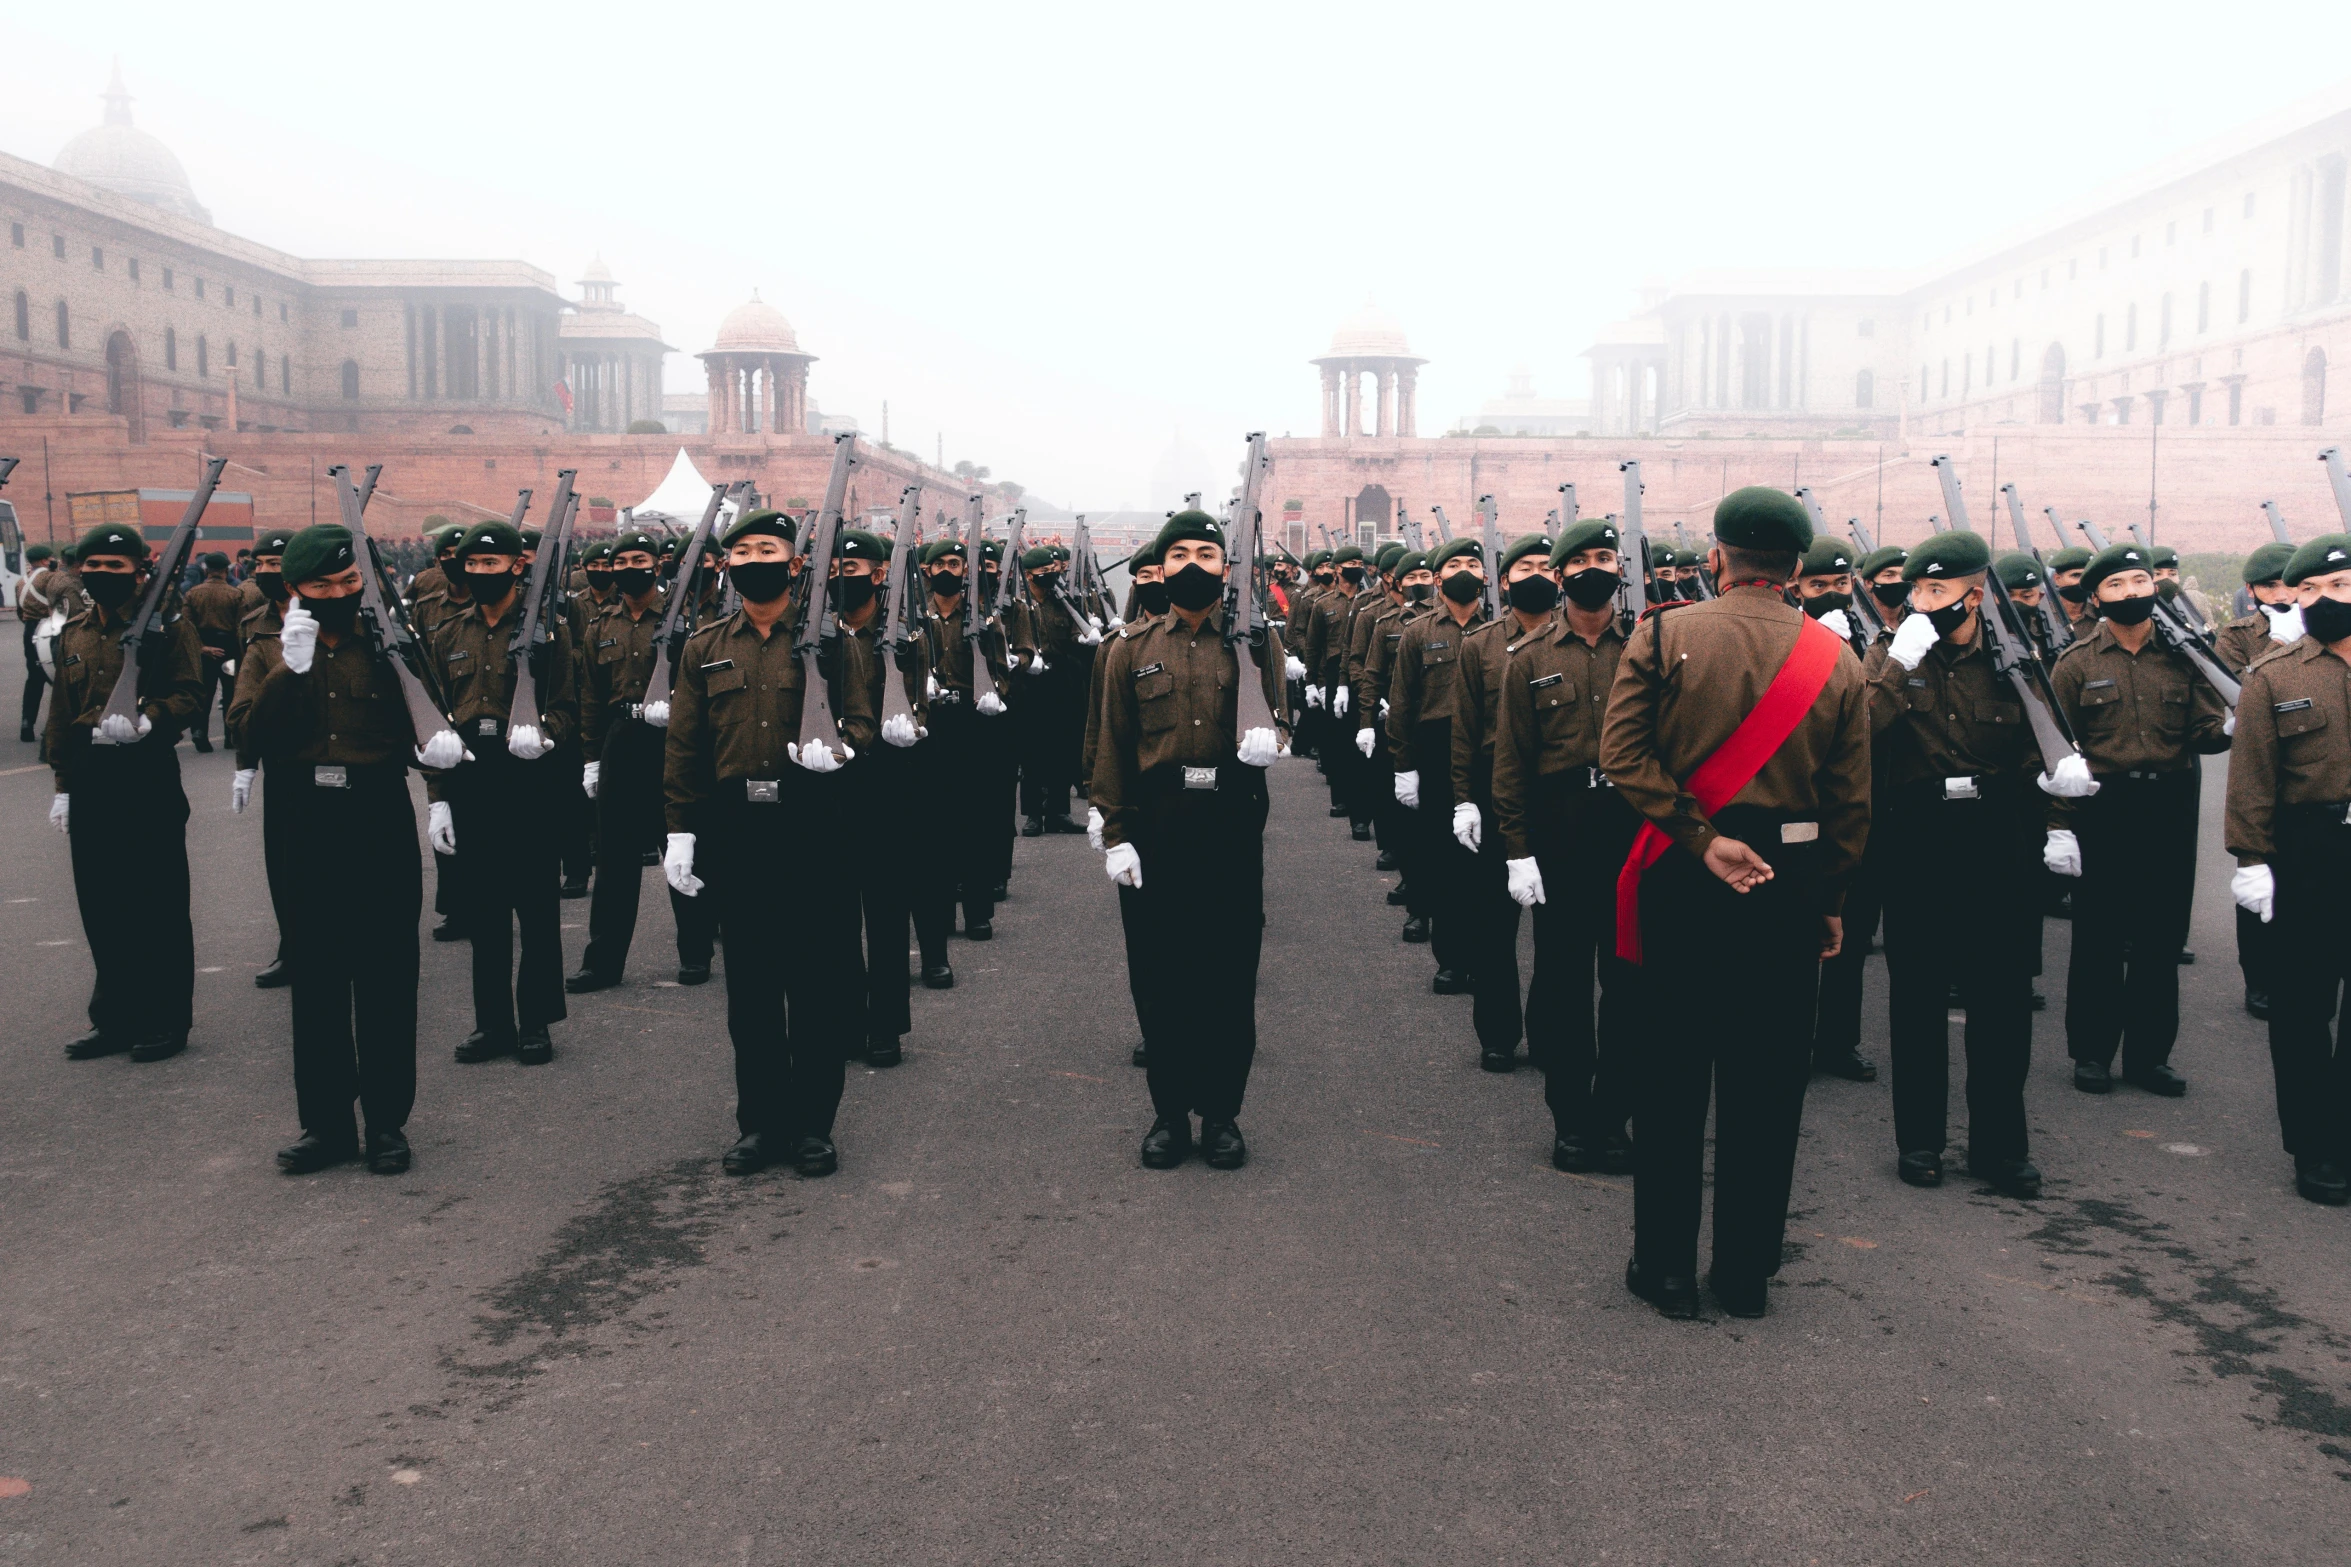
[2074, 593]
[1817, 607]
[760, 581]
[1322, 579]
[1193, 588]
[1592, 587]
[2327, 619]
[1351, 575]
[272, 585]
[2166, 589]
[335, 615]
[669, 568]
[1890, 594]
[851, 594]
[2127, 612]
[1949, 618]
[944, 584]
[1534, 595]
[488, 587]
[1152, 597]
[1664, 591]
[1418, 592]
[634, 580]
[1462, 587]
[599, 581]
[988, 580]
[111, 589]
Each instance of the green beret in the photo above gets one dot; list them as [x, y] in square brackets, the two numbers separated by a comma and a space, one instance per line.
[1346, 554]
[531, 538]
[1525, 545]
[636, 539]
[1410, 562]
[601, 550]
[2322, 556]
[1390, 553]
[767, 520]
[2166, 557]
[991, 552]
[1058, 551]
[1879, 559]
[1148, 555]
[2267, 563]
[1318, 560]
[938, 550]
[1826, 558]
[2114, 558]
[319, 550]
[2073, 559]
[112, 539]
[1593, 533]
[1953, 553]
[2018, 570]
[1194, 525]
[39, 552]
[495, 538]
[275, 540]
[444, 537]
[1038, 559]
[861, 544]
[1761, 518]
[214, 560]
[1464, 545]
[673, 545]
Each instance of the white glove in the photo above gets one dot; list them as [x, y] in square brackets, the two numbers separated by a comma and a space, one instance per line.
[1526, 882]
[1089, 635]
[1293, 667]
[930, 684]
[1339, 701]
[1911, 640]
[2071, 781]
[1367, 741]
[2062, 853]
[114, 729]
[526, 743]
[2254, 887]
[1467, 831]
[1383, 709]
[299, 641]
[589, 777]
[657, 714]
[2228, 725]
[899, 729]
[990, 703]
[1835, 621]
[820, 758]
[1260, 746]
[443, 751]
[1124, 866]
[1314, 696]
[228, 666]
[1037, 664]
[241, 789]
[677, 865]
[2285, 622]
[440, 828]
[59, 806]
[1408, 790]
[1094, 828]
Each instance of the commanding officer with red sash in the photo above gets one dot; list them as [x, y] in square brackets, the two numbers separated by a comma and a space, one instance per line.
[1739, 729]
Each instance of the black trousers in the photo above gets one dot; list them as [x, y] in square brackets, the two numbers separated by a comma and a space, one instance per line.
[282, 851]
[885, 785]
[795, 983]
[1763, 948]
[1342, 763]
[1490, 918]
[2311, 946]
[1836, 1029]
[128, 837]
[2130, 918]
[994, 749]
[1440, 867]
[628, 808]
[1973, 924]
[35, 681]
[353, 956]
[1052, 737]
[1196, 927]
[507, 814]
[214, 689]
[576, 814]
[1588, 1053]
[955, 769]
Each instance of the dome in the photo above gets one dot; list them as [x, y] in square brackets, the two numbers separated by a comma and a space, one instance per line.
[116, 156]
[598, 272]
[1370, 333]
[755, 328]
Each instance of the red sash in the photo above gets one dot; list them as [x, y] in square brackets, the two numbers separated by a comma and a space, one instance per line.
[1734, 764]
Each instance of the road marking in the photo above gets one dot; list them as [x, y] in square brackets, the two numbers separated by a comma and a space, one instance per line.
[1857, 1243]
[11, 772]
[1392, 1137]
[1588, 1180]
[1082, 1077]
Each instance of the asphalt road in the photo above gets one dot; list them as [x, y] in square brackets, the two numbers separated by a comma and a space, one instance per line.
[1397, 1336]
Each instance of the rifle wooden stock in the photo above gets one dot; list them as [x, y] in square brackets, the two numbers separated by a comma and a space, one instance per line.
[818, 726]
[524, 708]
[1244, 626]
[2012, 659]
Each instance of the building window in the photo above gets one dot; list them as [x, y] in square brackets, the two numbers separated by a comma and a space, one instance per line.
[2314, 386]
[1988, 366]
[64, 328]
[228, 298]
[260, 371]
[171, 349]
[2098, 336]
[16, 235]
[133, 265]
[199, 288]
[2203, 310]
[2248, 213]
[24, 316]
[2130, 328]
[232, 353]
[2015, 357]
[57, 246]
[2195, 405]
[351, 318]
[203, 355]
[32, 398]
[1864, 389]
[351, 380]
[97, 258]
[167, 280]
[2244, 295]
[2237, 393]
[1946, 392]
[286, 374]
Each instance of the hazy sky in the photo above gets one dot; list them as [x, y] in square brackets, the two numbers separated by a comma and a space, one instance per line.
[1061, 234]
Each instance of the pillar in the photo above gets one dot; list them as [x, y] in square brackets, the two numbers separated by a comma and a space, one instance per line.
[1354, 401]
[1407, 382]
[1385, 391]
[712, 414]
[1330, 401]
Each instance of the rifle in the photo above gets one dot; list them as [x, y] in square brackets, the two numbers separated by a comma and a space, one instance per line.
[2277, 523]
[1412, 535]
[1567, 507]
[1011, 582]
[677, 616]
[2338, 481]
[1865, 605]
[538, 609]
[975, 621]
[1244, 624]
[143, 638]
[1326, 534]
[2055, 634]
[897, 626]
[1444, 526]
[1632, 600]
[2171, 630]
[381, 621]
[1700, 584]
[2012, 658]
[1490, 534]
[816, 620]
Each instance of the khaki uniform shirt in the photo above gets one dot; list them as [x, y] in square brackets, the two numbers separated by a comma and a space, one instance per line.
[216, 608]
[1550, 701]
[1421, 682]
[430, 580]
[735, 707]
[477, 676]
[1486, 655]
[947, 657]
[347, 711]
[51, 588]
[260, 652]
[1379, 661]
[618, 655]
[1950, 717]
[89, 659]
[1126, 633]
[1170, 698]
[2238, 644]
[1326, 651]
[2292, 746]
[2142, 712]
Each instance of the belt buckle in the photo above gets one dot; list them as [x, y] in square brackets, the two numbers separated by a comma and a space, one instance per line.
[760, 791]
[636, 710]
[1962, 788]
[1799, 832]
[331, 777]
[487, 728]
[1600, 780]
[1199, 777]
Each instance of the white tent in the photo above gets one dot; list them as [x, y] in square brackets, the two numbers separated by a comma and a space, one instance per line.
[681, 496]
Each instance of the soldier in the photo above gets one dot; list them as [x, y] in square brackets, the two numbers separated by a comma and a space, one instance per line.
[1054, 650]
[2022, 576]
[1325, 655]
[2065, 580]
[1364, 615]
[1410, 587]
[621, 744]
[216, 608]
[1146, 601]
[2289, 802]
[883, 780]
[2275, 622]
[1739, 730]
[956, 761]
[1530, 591]
[1183, 797]
[120, 805]
[441, 536]
[1824, 591]
[329, 723]
[258, 653]
[2142, 716]
[33, 607]
[500, 814]
[749, 805]
[1422, 707]
[1881, 569]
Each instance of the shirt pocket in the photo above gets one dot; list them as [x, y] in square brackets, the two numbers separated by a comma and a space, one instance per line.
[725, 693]
[1155, 701]
[2171, 715]
[2302, 742]
[2101, 705]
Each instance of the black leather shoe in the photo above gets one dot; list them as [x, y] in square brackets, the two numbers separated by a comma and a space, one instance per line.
[1740, 1295]
[480, 1046]
[1498, 1060]
[693, 973]
[1168, 1143]
[449, 930]
[1450, 982]
[984, 930]
[2322, 1180]
[1001, 893]
[1034, 827]
[1398, 897]
[25, 733]
[575, 889]
[274, 976]
[1572, 1152]
[1141, 1055]
[749, 1155]
[1847, 1064]
[1673, 1294]
[2093, 1077]
[2257, 1003]
[311, 1153]
[2009, 1177]
[2156, 1079]
[1920, 1167]
[884, 1052]
[1064, 823]
[1386, 861]
[203, 745]
[1417, 928]
[813, 1156]
[2040, 1002]
[588, 979]
[1360, 832]
[1221, 1147]
[1338, 810]
[2187, 956]
[1616, 1154]
[159, 1047]
[387, 1153]
[97, 1043]
[534, 1048]
[938, 976]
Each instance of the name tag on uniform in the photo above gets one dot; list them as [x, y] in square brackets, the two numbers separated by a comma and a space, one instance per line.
[1799, 832]
[1436, 647]
[1149, 669]
[73, 658]
[712, 669]
[2094, 685]
[1199, 777]
[460, 656]
[609, 642]
[1915, 684]
[331, 777]
[760, 791]
[2294, 706]
[1395, 636]
[1547, 680]
[1961, 789]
